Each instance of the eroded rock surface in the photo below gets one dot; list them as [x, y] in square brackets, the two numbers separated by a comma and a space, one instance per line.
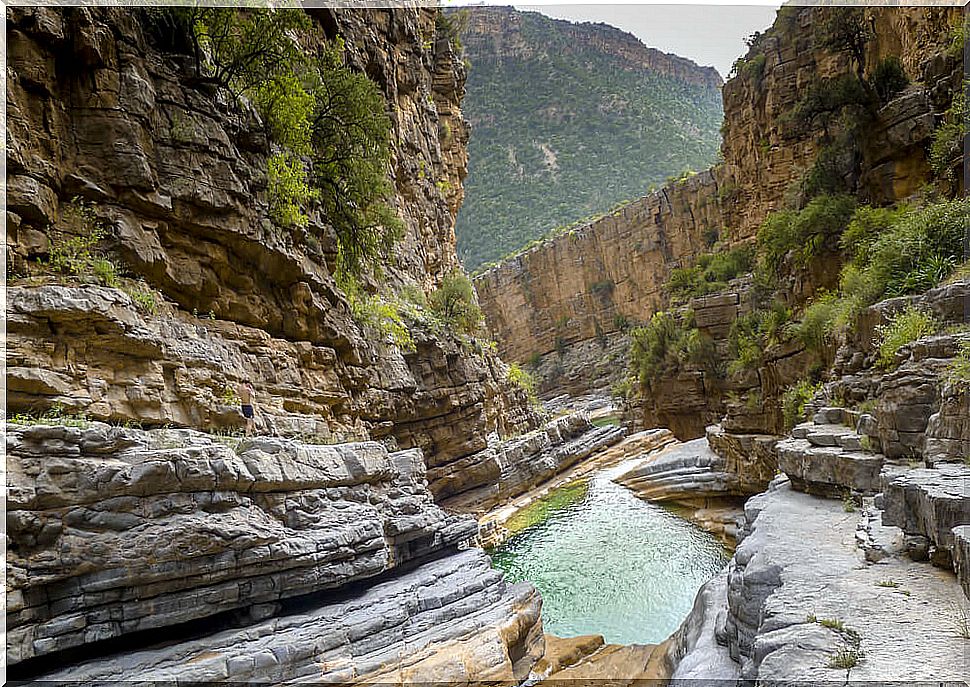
[509, 468]
[451, 620]
[799, 592]
[113, 531]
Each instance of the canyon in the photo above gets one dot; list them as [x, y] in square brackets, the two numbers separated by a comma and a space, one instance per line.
[149, 538]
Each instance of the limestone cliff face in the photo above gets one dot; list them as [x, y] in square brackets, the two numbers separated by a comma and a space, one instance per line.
[764, 160]
[176, 174]
[273, 559]
[562, 304]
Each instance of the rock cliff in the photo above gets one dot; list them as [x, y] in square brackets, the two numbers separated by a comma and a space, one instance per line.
[148, 539]
[174, 175]
[563, 305]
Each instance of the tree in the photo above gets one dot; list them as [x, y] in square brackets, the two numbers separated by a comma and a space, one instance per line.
[350, 140]
[845, 29]
[454, 301]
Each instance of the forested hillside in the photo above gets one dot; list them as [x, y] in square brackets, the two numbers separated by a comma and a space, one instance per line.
[569, 120]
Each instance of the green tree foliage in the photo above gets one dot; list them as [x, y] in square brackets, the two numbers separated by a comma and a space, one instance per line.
[665, 343]
[525, 381]
[711, 273]
[844, 29]
[754, 333]
[328, 122]
[946, 150]
[794, 400]
[892, 252]
[454, 302]
[350, 139]
[889, 78]
[567, 132]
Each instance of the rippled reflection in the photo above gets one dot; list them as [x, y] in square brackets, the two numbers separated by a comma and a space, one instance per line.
[613, 565]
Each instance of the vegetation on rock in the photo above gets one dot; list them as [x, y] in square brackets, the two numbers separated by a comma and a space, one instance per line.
[903, 328]
[328, 124]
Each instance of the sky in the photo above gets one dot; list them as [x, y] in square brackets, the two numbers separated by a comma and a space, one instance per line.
[709, 34]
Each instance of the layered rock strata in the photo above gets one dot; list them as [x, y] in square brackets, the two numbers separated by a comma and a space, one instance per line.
[511, 467]
[114, 531]
[451, 620]
[593, 282]
[930, 503]
[109, 132]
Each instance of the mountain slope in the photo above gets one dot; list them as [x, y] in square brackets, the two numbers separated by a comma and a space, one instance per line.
[568, 120]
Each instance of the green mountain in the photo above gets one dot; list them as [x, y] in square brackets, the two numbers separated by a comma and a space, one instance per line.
[567, 121]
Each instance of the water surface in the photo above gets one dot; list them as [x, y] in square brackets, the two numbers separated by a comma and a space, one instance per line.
[608, 563]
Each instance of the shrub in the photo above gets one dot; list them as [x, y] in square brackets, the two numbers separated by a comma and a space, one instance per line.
[144, 299]
[815, 327]
[711, 273]
[524, 381]
[104, 271]
[454, 302]
[866, 225]
[794, 400]
[903, 328]
[78, 254]
[946, 150]
[372, 311]
[959, 369]
[845, 658]
[803, 234]
[919, 250]
[889, 78]
[603, 288]
[752, 334]
[656, 347]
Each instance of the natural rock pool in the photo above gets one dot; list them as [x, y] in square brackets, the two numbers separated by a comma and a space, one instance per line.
[608, 563]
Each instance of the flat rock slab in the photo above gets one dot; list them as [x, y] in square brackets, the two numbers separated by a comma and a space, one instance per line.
[828, 470]
[454, 619]
[799, 565]
[930, 502]
[679, 472]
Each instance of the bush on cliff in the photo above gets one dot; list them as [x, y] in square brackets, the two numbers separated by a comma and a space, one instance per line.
[892, 252]
[524, 381]
[711, 273]
[329, 123]
[800, 236]
[754, 333]
[454, 302]
[666, 342]
[794, 400]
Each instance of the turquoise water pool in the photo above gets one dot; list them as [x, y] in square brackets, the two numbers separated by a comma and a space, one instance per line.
[612, 564]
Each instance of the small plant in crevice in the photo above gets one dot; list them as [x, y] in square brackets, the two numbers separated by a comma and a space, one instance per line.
[524, 381]
[77, 254]
[902, 328]
[888, 583]
[846, 658]
[144, 298]
[959, 368]
[849, 502]
[794, 400]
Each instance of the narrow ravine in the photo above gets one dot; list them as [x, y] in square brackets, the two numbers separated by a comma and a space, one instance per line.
[611, 564]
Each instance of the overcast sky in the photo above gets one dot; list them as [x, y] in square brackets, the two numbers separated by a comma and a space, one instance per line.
[711, 35]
